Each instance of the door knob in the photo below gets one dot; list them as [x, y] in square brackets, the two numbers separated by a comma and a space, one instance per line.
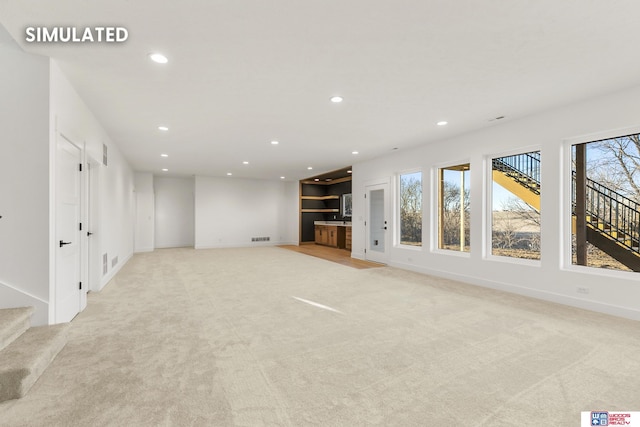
[62, 243]
[89, 234]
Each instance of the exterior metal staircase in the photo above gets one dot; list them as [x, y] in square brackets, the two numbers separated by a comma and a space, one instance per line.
[613, 223]
[613, 220]
[520, 175]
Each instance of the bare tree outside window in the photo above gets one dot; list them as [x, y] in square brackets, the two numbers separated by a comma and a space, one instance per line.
[606, 203]
[454, 230]
[515, 213]
[411, 209]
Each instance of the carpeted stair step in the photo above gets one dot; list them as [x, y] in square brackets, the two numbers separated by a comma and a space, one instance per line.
[13, 323]
[25, 359]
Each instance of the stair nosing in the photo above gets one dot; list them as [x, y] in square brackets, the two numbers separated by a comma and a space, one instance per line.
[18, 322]
[27, 358]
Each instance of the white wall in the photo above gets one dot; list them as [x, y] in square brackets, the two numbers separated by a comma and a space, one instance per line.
[290, 214]
[229, 212]
[37, 102]
[24, 179]
[174, 212]
[145, 212]
[552, 279]
[70, 115]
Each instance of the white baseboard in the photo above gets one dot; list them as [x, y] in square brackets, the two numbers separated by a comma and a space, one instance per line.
[243, 245]
[106, 279]
[12, 297]
[141, 250]
[596, 306]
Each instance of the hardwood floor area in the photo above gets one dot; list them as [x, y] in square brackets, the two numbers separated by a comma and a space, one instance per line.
[340, 256]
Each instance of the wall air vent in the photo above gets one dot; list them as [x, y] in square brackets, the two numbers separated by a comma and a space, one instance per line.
[104, 154]
[105, 264]
[260, 239]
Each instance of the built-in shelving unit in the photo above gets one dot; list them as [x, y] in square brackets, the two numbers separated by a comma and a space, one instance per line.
[320, 210]
[325, 182]
[330, 197]
[323, 209]
[320, 198]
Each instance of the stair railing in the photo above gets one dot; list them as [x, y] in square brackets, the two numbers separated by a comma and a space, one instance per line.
[523, 168]
[610, 212]
[613, 214]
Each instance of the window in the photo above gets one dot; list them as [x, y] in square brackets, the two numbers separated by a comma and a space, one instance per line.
[605, 214]
[515, 206]
[411, 209]
[453, 208]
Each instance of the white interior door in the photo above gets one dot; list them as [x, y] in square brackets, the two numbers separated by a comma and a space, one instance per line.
[67, 245]
[94, 259]
[377, 223]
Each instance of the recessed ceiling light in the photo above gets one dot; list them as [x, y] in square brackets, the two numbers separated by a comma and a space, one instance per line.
[245, 163]
[159, 58]
[165, 170]
[164, 155]
[309, 168]
[349, 172]
[317, 179]
[354, 152]
[275, 142]
[442, 123]
[337, 99]
[328, 179]
[163, 128]
[229, 174]
[282, 177]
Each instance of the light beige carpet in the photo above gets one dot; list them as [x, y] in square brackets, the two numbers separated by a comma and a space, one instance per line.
[215, 338]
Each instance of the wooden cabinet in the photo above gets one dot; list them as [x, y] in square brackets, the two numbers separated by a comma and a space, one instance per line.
[327, 235]
[332, 231]
[333, 235]
[322, 235]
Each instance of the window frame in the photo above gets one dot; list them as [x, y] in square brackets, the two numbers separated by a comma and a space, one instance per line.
[565, 211]
[487, 229]
[398, 219]
[434, 228]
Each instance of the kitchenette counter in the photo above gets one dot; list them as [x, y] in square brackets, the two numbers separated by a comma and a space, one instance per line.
[336, 234]
[336, 223]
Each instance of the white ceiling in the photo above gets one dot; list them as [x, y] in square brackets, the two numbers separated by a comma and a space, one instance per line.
[243, 73]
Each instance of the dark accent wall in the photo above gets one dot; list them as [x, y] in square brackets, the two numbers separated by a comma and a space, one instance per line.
[308, 218]
[308, 230]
